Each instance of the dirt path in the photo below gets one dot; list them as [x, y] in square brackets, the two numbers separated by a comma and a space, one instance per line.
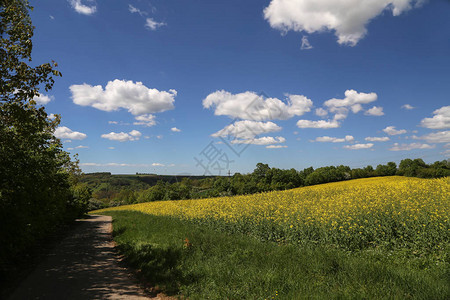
[83, 266]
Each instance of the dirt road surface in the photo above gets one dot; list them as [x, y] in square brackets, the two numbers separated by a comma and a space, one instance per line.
[83, 266]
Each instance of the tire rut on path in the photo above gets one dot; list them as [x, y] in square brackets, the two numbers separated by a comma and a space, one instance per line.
[83, 266]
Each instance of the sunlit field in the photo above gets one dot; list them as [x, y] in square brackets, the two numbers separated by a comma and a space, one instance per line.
[357, 214]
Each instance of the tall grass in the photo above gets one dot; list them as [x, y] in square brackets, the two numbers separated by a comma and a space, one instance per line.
[195, 261]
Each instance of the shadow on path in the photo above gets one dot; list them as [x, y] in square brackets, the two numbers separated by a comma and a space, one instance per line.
[83, 266]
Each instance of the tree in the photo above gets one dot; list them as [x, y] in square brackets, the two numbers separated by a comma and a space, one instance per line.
[35, 173]
[411, 168]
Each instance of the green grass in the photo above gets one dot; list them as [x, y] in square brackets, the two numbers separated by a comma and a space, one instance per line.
[199, 263]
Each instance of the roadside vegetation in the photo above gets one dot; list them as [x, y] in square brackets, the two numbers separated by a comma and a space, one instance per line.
[369, 238]
[39, 187]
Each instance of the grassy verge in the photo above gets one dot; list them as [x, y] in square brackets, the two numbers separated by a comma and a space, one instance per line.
[199, 263]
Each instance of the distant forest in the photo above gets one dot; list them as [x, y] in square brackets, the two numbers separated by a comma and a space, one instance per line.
[113, 190]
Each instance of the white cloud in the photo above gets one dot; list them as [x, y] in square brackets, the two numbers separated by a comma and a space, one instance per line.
[78, 147]
[318, 124]
[81, 8]
[441, 119]
[377, 139]
[174, 129]
[358, 146]
[353, 100]
[407, 106]
[51, 116]
[111, 148]
[247, 129]
[251, 106]
[159, 137]
[348, 19]
[446, 153]
[436, 137]
[121, 123]
[265, 140]
[133, 135]
[43, 99]
[157, 165]
[408, 147]
[340, 113]
[135, 97]
[321, 112]
[152, 24]
[51, 17]
[145, 120]
[64, 132]
[276, 146]
[348, 138]
[392, 131]
[375, 111]
[305, 44]
[133, 10]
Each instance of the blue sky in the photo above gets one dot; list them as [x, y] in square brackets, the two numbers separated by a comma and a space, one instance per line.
[188, 87]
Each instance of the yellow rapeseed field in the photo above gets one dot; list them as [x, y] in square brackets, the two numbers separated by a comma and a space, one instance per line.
[399, 211]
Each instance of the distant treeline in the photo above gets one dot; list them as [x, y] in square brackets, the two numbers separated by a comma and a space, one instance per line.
[114, 190]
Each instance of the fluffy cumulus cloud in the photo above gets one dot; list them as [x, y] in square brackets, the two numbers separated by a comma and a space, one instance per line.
[265, 140]
[321, 112]
[353, 100]
[247, 129]
[147, 120]
[375, 111]
[152, 24]
[64, 132]
[408, 147]
[348, 138]
[83, 9]
[43, 99]
[348, 19]
[377, 139]
[174, 129]
[440, 120]
[247, 132]
[134, 97]
[133, 135]
[358, 146]
[436, 137]
[251, 106]
[392, 131]
[318, 124]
